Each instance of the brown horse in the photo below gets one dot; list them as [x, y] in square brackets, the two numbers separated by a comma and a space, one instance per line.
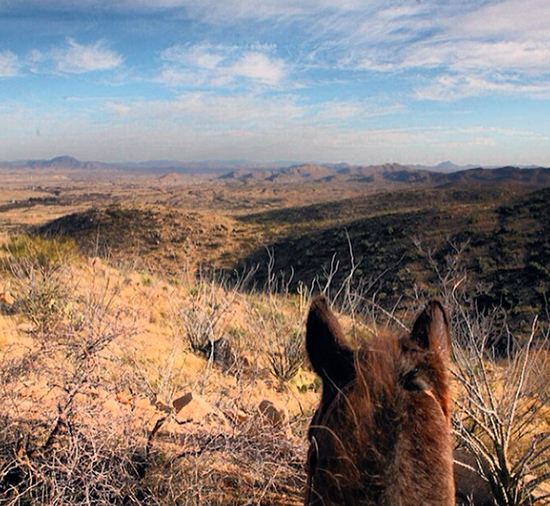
[381, 434]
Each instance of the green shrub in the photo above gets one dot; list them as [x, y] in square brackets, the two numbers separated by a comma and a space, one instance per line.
[35, 251]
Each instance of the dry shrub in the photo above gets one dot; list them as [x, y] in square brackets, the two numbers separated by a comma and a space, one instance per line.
[503, 391]
[85, 465]
[65, 448]
[203, 315]
[277, 327]
[254, 464]
[52, 452]
[500, 413]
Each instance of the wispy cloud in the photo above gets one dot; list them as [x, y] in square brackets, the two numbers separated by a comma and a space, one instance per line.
[216, 11]
[206, 110]
[475, 47]
[9, 64]
[206, 125]
[456, 86]
[73, 58]
[219, 111]
[302, 79]
[510, 56]
[260, 68]
[483, 38]
[78, 58]
[504, 19]
[218, 65]
[210, 10]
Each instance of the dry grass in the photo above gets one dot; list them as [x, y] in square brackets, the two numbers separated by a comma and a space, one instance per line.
[93, 356]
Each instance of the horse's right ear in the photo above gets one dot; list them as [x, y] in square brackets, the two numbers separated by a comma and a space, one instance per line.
[326, 346]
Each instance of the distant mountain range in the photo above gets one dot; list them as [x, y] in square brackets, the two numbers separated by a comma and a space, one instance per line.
[444, 167]
[395, 173]
[445, 173]
[153, 166]
[58, 163]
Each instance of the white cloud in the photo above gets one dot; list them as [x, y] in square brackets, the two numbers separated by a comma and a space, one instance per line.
[80, 58]
[220, 66]
[472, 49]
[456, 86]
[483, 35]
[211, 10]
[506, 20]
[504, 132]
[216, 11]
[118, 109]
[204, 56]
[260, 68]
[201, 125]
[510, 56]
[345, 113]
[34, 60]
[9, 64]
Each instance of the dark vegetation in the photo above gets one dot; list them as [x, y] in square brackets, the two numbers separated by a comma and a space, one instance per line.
[31, 202]
[104, 231]
[393, 240]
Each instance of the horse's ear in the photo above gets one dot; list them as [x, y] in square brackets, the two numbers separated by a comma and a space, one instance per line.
[326, 346]
[431, 329]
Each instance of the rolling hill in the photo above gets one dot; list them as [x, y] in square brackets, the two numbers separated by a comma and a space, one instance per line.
[404, 241]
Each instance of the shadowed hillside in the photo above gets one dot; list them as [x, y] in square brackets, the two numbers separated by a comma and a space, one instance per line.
[397, 238]
[397, 241]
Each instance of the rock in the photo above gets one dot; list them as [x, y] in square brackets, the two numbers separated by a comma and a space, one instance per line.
[180, 402]
[123, 399]
[7, 298]
[471, 488]
[277, 416]
[191, 408]
[144, 410]
[221, 353]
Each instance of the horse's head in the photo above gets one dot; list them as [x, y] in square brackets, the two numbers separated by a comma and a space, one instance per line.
[381, 433]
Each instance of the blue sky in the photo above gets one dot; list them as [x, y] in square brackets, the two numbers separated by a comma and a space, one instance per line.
[358, 81]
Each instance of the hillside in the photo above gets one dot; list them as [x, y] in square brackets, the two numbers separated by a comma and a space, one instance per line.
[512, 176]
[398, 238]
[66, 163]
[156, 238]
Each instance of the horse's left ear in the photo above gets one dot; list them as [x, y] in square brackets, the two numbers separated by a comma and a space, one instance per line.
[431, 329]
[326, 346]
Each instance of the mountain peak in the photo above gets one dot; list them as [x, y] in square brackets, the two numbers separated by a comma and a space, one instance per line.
[63, 161]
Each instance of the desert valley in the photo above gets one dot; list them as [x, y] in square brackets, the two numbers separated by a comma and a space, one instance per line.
[152, 319]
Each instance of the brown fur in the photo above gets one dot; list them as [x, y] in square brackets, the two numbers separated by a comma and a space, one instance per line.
[381, 434]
